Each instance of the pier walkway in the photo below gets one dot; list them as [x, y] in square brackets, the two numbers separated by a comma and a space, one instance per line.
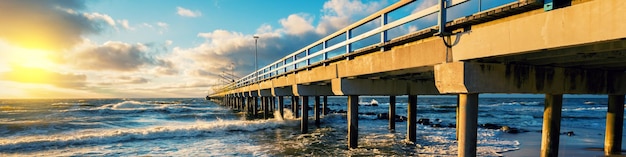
[523, 46]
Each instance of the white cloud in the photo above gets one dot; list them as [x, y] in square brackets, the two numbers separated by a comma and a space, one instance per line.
[162, 25]
[102, 17]
[28, 22]
[297, 24]
[341, 13]
[187, 13]
[168, 42]
[125, 24]
[112, 55]
[147, 25]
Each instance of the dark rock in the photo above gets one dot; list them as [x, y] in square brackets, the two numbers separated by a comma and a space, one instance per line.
[570, 133]
[327, 110]
[436, 126]
[400, 118]
[370, 113]
[423, 121]
[490, 126]
[383, 116]
[510, 130]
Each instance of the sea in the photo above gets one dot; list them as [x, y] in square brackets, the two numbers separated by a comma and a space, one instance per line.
[197, 127]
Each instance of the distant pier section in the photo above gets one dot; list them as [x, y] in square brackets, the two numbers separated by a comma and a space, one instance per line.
[525, 46]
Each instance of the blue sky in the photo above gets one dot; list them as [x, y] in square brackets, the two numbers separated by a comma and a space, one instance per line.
[147, 48]
[163, 48]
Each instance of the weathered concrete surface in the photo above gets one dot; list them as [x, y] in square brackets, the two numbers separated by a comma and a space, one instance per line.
[265, 92]
[578, 24]
[317, 74]
[311, 90]
[462, 77]
[282, 91]
[425, 52]
[382, 87]
[285, 80]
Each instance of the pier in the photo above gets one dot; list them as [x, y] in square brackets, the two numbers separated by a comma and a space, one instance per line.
[524, 46]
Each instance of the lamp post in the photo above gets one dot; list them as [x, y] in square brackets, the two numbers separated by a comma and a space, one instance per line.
[256, 68]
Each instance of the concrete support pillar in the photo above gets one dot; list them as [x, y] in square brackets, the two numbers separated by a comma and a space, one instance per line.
[614, 125]
[248, 106]
[325, 105]
[551, 125]
[281, 104]
[230, 102]
[317, 110]
[353, 121]
[272, 104]
[241, 102]
[304, 121]
[237, 102]
[246, 102]
[265, 107]
[392, 112]
[458, 110]
[411, 126]
[255, 105]
[468, 124]
[295, 107]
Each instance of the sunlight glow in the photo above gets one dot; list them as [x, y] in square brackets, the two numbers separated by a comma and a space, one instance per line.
[30, 58]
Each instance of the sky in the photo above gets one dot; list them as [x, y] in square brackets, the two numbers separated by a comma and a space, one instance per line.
[167, 48]
[147, 48]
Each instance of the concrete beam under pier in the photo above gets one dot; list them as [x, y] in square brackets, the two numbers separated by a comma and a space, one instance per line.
[465, 77]
[345, 86]
[282, 91]
[310, 90]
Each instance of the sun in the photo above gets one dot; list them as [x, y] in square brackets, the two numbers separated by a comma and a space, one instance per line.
[33, 58]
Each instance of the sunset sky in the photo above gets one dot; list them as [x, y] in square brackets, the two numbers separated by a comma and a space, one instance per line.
[146, 48]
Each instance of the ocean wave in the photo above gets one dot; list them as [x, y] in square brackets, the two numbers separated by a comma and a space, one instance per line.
[133, 107]
[586, 109]
[99, 136]
[522, 103]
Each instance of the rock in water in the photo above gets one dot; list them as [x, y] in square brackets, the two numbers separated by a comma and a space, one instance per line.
[423, 121]
[491, 126]
[374, 102]
[383, 116]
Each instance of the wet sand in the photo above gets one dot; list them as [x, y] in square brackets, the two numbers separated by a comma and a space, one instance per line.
[583, 144]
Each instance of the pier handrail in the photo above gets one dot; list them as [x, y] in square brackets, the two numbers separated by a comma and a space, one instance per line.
[293, 62]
